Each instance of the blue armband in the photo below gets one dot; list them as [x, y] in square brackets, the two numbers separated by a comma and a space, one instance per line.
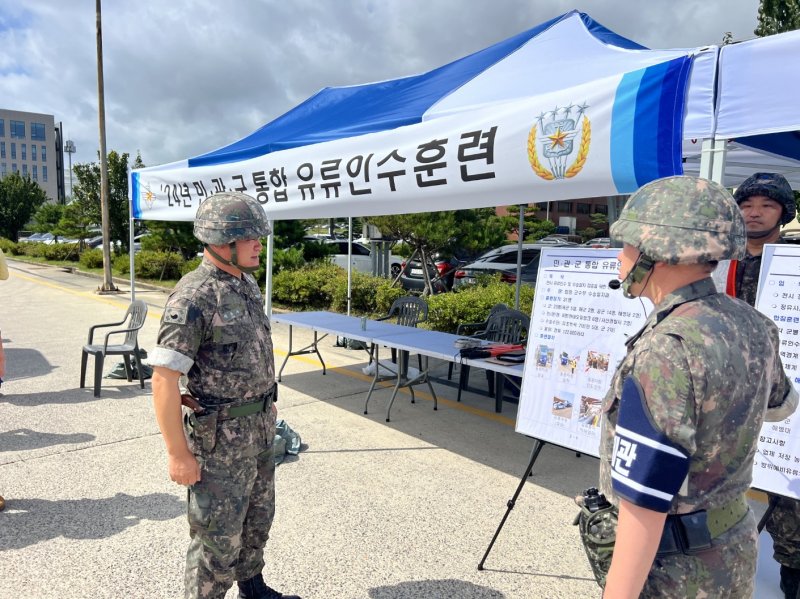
[647, 468]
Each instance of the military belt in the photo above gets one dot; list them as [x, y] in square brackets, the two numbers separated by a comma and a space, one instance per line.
[692, 533]
[261, 404]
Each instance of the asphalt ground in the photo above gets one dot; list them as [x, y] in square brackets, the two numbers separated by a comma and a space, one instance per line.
[369, 509]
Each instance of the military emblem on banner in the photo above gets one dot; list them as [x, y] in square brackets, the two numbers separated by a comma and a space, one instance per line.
[561, 137]
[148, 196]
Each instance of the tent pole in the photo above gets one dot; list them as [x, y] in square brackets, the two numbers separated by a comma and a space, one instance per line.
[268, 274]
[720, 156]
[350, 262]
[130, 248]
[520, 235]
[706, 158]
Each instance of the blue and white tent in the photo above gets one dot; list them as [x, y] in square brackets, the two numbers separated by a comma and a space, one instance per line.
[565, 110]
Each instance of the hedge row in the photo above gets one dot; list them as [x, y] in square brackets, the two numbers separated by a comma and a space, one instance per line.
[324, 287]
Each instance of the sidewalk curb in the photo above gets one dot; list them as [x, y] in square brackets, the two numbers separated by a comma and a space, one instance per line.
[118, 280]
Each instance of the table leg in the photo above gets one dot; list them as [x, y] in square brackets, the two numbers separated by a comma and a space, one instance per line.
[373, 350]
[308, 349]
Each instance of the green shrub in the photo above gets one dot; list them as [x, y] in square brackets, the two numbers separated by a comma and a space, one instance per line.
[157, 265]
[62, 252]
[9, 247]
[385, 294]
[190, 265]
[306, 287]
[32, 249]
[472, 304]
[121, 263]
[92, 258]
[289, 258]
[364, 292]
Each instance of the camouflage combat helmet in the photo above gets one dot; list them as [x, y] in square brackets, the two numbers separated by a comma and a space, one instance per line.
[772, 186]
[229, 216]
[682, 220]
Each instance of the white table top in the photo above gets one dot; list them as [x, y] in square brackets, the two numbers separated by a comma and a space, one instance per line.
[434, 344]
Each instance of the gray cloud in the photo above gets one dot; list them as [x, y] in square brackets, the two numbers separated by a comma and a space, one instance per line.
[183, 77]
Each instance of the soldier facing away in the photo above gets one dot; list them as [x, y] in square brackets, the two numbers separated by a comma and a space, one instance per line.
[214, 330]
[681, 420]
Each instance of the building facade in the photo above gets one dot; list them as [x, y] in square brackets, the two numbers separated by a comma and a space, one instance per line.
[31, 145]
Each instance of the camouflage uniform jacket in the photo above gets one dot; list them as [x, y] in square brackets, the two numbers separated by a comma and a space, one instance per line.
[214, 330]
[747, 271]
[708, 365]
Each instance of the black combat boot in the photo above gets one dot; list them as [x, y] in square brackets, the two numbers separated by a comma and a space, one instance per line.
[790, 582]
[255, 588]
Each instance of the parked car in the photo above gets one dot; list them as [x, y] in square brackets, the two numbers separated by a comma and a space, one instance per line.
[528, 273]
[442, 275]
[559, 240]
[503, 261]
[598, 242]
[361, 257]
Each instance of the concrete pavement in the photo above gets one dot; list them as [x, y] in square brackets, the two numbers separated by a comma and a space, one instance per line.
[369, 510]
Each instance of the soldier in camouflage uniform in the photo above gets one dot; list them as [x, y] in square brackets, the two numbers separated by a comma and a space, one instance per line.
[214, 331]
[681, 419]
[767, 202]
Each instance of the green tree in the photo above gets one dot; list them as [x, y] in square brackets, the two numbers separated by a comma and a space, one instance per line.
[172, 237]
[87, 190]
[449, 231]
[76, 221]
[47, 217]
[777, 16]
[19, 199]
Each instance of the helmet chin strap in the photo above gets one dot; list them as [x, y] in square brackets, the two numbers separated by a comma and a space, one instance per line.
[234, 259]
[641, 269]
[763, 234]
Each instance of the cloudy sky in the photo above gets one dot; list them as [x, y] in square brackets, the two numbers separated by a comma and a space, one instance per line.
[183, 77]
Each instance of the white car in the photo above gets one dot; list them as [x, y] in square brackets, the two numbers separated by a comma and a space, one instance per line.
[361, 258]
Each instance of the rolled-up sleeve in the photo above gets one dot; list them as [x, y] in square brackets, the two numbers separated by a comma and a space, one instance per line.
[179, 337]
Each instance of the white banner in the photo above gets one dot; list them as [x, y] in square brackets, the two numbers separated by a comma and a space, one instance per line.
[577, 142]
[579, 329]
[777, 464]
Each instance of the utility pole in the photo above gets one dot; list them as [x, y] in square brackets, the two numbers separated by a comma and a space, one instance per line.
[108, 283]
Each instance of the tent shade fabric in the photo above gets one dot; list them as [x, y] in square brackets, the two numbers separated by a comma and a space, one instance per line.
[565, 110]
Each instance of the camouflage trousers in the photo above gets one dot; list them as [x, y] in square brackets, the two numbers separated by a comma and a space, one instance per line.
[783, 526]
[231, 508]
[726, 571]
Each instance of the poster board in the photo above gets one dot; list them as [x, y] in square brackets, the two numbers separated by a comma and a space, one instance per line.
[578, 331]
[777, 462]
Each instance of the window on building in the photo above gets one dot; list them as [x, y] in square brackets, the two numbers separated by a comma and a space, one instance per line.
[584, 208]
[14, 168]
[3, 169]
[35, 172]
[17, 129]
[601, 209]
[33, 152]
[44, 173]
[2, 149]
[37, 131]
[2, 128]
[564, 207]
[13, 150]
[24, 170]
[24, 151]
[44, 153]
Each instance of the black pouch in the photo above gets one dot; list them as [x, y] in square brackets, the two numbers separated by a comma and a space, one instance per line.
[201, 431]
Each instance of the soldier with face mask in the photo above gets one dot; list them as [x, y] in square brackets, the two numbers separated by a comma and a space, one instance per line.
[214, 331]
[681, 419]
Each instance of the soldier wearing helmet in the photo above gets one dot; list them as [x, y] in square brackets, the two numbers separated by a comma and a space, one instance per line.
[767, 202]
[215, 332]
[681, 418]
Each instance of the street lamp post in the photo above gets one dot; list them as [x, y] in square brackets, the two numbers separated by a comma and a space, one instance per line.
[69, 148]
